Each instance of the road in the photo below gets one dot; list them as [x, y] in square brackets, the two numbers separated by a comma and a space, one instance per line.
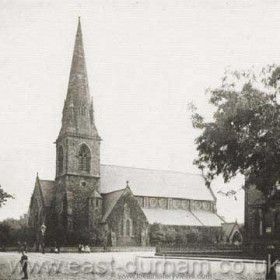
[126, 265]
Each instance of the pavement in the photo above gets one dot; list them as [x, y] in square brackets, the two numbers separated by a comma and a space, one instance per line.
[127, 265]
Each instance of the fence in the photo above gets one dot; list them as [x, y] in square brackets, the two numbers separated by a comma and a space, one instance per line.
[74, 249]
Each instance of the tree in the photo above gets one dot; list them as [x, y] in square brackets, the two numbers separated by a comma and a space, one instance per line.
[4, 196]
[14, 230]
[243, 135]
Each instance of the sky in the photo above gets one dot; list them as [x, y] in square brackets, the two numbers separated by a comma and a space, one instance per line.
[146, 60]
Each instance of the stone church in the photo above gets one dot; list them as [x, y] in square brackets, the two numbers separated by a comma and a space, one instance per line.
[125, 201]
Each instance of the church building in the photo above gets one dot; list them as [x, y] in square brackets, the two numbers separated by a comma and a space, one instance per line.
[87, 196]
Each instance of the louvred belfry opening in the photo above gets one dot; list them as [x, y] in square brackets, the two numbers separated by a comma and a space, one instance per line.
[84, 158]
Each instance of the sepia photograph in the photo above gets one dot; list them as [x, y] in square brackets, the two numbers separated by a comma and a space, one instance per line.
[139, 139]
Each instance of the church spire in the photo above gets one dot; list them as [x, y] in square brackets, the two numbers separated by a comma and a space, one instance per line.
[78, 114]
[78, 82]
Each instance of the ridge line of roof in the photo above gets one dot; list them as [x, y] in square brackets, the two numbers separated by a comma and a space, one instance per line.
[104, 218]
[113, 191]
[152, 169]
[47, 180]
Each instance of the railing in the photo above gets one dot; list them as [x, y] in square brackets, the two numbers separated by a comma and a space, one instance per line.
[219, 249]
[199, 247]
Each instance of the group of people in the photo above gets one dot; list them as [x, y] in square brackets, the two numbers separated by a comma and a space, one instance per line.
[84, 249]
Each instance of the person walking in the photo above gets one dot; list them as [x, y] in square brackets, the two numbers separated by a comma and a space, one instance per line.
[24, 264]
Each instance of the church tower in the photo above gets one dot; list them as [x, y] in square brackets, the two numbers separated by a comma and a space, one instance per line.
[77, 147]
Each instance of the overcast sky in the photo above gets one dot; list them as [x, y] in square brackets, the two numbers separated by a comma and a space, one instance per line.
[145, 59]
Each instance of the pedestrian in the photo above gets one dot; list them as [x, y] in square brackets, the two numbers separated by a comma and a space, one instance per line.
[87, 249]
[80, 248]
[24, 263]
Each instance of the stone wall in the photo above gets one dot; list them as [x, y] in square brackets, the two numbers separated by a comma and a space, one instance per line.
[128, 222]
[77, 190]
[71, 146]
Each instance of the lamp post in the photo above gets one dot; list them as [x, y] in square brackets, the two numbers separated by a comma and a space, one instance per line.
[43, 230]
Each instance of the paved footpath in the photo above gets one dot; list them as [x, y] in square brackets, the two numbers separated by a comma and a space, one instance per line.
[126, 265]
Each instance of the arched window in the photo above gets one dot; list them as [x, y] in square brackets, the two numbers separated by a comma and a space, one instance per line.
[84, 158]
[134, 228]
[127, 227]
[121, 228]
[237, 238]
[60, 159]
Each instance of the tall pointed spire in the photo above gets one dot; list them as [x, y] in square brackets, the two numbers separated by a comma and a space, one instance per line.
[78, 82]
[78, 114]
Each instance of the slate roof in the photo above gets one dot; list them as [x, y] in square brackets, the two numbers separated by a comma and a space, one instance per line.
[209, 219]
[47, 188]
[157, 183]
[171, 217]
[109, 202]
[182, 217]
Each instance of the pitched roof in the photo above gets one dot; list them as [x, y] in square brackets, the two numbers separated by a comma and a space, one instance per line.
[158, 183]
[182, 217]
[207, 218]
[109, 202]
[171, 217]
[228, 228]
[95, 194]
[47, 188]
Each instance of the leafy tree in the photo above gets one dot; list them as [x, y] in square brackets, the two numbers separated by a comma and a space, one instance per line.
[13, 230]
[5, 237]
[243, 135]
[4, 196]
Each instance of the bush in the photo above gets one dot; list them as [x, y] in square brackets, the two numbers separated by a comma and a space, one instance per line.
[181, 238]
[157, 235]
[170, 236]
